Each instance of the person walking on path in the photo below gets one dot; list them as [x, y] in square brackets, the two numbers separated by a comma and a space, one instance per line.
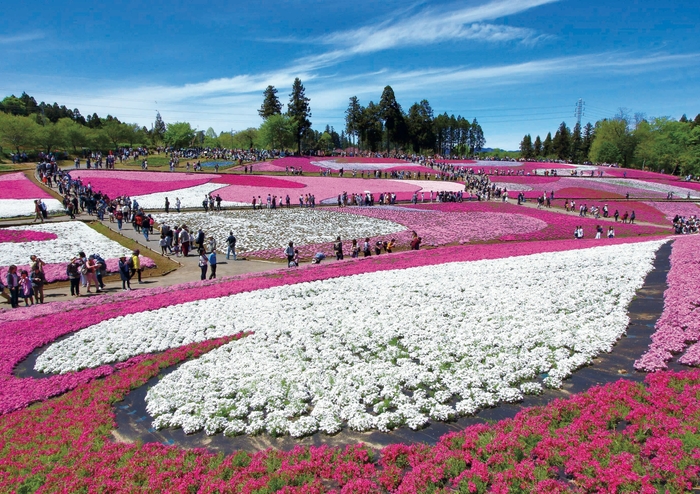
[146, 227]
[338, 249]
[73, 273]
[212, 263]
[185, 241]
[289, 252]
[203, 264]
[38, 213]
[177, 204]
[231, 241]
[38, 279]
[124, 273]
[12, 283]
[167, 205]
[136, 266]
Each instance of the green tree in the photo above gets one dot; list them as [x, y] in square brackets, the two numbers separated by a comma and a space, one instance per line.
[588, 136]
[561, 144]
[50, 136]
[114, 131]
[246, 139]
[538, 146]
[271, 104]
[325, 143]
[353, 119]
[547, 145]
[299, 111]
[371, 128]
[576, 153]
[179, 135]
[393, 119]
[611, 134]
[159, 129]
[17, 132]
[76, 135]
[476, 137]
[527, 150]
[277, 132]
[420, 126]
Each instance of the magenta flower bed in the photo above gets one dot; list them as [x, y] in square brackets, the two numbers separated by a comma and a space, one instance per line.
[19, 337]
[19, 236]
[116, 183]
[621, 437]
[18, 186]
[57, 272]
[679, 324]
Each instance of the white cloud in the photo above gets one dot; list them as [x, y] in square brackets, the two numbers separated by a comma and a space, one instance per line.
[428, 26]
[20, 38]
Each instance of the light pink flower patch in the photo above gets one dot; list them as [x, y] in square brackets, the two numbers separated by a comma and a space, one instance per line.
[679, 324]
[19, 236]
[559, 226]
[435, 228]
[325, 188]
[18, 186]
[672, 208]
[134, 183]
[257, 181]
[281, 164]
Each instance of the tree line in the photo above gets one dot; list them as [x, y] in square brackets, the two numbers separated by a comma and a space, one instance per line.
[656, 144]
[383, 126]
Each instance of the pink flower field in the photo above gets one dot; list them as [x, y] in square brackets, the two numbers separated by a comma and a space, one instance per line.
[678, 328]
[19, 236]
[115, 183]
[18, 186]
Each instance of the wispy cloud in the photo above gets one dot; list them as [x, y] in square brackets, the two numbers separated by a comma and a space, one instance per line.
[232, 102]
[429, 26]
[20, 38]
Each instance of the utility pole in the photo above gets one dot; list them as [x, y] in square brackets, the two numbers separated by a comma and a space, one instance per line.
[579, 110]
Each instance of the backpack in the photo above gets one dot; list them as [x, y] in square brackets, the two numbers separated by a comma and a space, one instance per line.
[130, 263]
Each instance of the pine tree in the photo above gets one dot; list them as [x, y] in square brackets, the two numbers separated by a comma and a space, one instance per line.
[526, 148]
[353, 119]
[538, 146]
[576, 144]
[547, 145]
[588, 136]
[271, 104]
[392, 116]
[299, 111]
[158, 129]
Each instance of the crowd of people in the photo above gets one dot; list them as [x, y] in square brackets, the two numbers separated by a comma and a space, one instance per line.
[683, 225]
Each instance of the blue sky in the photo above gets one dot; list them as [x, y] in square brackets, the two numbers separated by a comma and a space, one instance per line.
[517, 66]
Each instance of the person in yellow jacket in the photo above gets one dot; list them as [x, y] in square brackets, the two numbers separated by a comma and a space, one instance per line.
[135, 265]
